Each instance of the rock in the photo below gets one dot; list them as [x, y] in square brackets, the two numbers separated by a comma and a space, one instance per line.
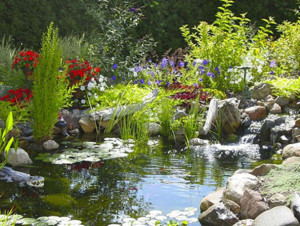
[256, 113]
[180, 113]
[211, 199]
[246, 122]
[230, 117]
[291, 150]
[50, 145]
[277, 200]
[252, 204]
[284, 140]
[266, 130]
[198, 142]
[282, 101]
[263, 169]
[291, 160]
[18, 157]
[87, 125]
[233, 206]
[297, 123]
[246, 222]
[295, 206]
[217, 215]
[154, 129]
[72, 121]
[276, 109]
[277, 216]
[295, 132]
[74, 132]
[269, 104]
[237, 184]
[260, 91]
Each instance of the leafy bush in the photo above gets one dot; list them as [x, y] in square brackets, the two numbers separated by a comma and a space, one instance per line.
[287, 87]
[117, 41]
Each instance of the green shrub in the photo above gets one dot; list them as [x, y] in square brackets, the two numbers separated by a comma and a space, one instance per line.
[50, 92]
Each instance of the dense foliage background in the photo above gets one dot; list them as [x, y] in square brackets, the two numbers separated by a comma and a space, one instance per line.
[26, 20]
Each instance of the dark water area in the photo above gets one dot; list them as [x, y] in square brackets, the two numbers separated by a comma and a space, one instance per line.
[161, 177]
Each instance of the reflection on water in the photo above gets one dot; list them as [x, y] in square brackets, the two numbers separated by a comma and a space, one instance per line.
[150, 178]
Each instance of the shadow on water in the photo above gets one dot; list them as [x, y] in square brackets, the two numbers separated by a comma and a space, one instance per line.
[154, 177]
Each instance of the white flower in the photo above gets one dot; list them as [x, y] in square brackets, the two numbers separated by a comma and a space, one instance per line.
[83, 101]
[95, 95]
[102, 88]
[82, 88]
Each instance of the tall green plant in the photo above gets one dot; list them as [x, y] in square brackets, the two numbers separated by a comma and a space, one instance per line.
[5, 141]
[50, 92]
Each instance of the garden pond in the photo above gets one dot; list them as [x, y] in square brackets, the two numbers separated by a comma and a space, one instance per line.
[159, 181]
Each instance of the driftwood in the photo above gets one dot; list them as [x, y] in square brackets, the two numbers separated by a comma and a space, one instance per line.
[107, 114]
[211, 116]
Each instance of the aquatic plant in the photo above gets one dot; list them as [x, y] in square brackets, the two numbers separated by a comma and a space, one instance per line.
[50, 92]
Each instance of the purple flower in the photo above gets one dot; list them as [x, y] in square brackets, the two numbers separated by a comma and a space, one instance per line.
[201, 68]
[194, 64]
[210, 74]
[167, 84]
[135, 82]
[144, 67]
[205, 62]
[181, 64]
[164, 62]
[113, 78]
[272, 73]
[142, 81]
[115, 66]
[133, 10]
[149, 82]
[200, 79]
[172, 63]
[217, 70]
[137, 68]
[157, 82]
[273, 63]
[153, 73]
[150, 60]
[155, 64]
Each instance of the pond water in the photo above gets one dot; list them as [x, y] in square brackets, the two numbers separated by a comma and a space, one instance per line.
[157, 177]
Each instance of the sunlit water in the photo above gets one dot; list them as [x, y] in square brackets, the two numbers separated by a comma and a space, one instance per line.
[157, 178]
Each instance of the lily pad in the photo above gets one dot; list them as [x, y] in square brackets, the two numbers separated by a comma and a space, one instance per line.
[92, 152]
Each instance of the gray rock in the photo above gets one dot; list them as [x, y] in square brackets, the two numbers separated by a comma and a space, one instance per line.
[233, 206]
[217, 215]
[87, 125]
[211, 199]
[260, 91]
[50, 145]
[291, 160]
[275, 109]
[198, 142]
[282, 101]
[180, 113]
[266, 129]
[18, 157]
[295, 132]
[154, 129]
[252, 204]
[246, 222]
[277, 200]
[230, 117]
[237, 184]
[291, 150]
[295, 206]
[277, 216]
[72, 121]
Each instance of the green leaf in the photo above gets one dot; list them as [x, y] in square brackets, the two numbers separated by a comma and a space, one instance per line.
[9, 122]
[8, 145]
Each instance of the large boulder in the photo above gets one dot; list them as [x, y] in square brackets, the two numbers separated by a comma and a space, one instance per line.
[260, 91]
[252, 204]
[291, 150]
[213, 198]
[217, 215]
[230, 117]
[237, 184]
[277, 216]
[256, 113]
[18, 157]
